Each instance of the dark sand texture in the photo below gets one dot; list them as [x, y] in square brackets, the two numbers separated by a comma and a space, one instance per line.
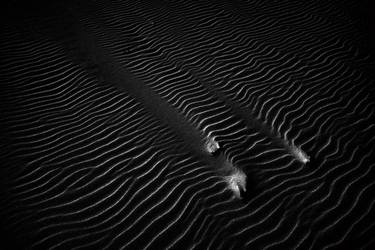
[107, 108]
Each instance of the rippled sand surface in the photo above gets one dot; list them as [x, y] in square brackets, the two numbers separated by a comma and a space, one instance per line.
[187, 125]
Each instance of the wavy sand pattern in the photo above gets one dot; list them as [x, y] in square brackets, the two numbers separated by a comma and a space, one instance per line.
[186, 125]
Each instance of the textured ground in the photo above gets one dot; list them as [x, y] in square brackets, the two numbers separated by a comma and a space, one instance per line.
[107, 108]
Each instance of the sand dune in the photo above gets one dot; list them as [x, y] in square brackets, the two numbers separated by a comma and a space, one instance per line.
[186, 125]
